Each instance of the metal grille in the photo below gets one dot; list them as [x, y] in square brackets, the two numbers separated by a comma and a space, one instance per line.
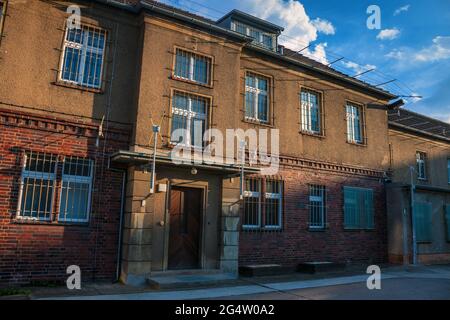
[76, 188]
[354, 123]
[263, 201]
[310, 112]
[193, 67]
[317, 206]
[421, 158]
[256, 98]
[273, 204]
[83, 56]
[189, 114]
[37, 186]
[252, 203]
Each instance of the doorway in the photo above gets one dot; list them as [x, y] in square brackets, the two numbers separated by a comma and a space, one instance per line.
[185, 218]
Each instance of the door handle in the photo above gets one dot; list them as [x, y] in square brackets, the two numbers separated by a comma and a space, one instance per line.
[161, 223]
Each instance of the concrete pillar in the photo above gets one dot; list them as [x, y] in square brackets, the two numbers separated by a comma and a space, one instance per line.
[229, 248]
[137, 233]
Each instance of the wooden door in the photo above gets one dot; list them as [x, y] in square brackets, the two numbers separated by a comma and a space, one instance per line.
[185, 227]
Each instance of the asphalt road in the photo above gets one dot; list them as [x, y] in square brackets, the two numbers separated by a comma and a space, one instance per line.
[391, 289]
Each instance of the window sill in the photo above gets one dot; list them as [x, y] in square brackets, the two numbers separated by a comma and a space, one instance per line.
[48, 223]
[257, 122]
[205, 85]
[312, 134]
[359, 144]
[77, 87]
[359, 229]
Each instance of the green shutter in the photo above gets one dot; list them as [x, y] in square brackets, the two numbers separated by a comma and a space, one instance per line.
[447, 221]
[422, 219]
[358, 208]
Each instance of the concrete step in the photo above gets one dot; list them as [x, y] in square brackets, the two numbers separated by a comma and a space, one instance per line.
[320, 266]
[189, 279]
[259, 270]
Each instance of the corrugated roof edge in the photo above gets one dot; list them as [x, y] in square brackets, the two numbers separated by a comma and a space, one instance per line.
[171, 11]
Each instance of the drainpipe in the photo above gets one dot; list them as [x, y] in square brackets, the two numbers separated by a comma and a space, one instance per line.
[413, 222]
[122, 209]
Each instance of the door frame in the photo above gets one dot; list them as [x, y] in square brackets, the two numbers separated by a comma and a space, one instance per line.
[180, 183]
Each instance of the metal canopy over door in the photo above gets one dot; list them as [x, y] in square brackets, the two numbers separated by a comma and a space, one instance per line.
[185, 210]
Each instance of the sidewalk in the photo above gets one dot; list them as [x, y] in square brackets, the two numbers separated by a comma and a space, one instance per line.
[242, 286]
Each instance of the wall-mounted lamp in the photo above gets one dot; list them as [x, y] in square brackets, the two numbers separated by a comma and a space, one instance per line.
[194, 171]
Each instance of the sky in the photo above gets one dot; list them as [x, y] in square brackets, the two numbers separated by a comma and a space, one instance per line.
[412, 44]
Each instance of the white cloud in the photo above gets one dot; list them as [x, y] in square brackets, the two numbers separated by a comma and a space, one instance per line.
[323, 26]
[438, 50]
[357, 68]
[402, 9]
[388, 34]
[300, 30]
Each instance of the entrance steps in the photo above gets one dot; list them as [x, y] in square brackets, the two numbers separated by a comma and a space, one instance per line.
[176, 279]
[320, 266]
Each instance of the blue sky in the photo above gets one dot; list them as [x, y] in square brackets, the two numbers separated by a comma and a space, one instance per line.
[413, 44]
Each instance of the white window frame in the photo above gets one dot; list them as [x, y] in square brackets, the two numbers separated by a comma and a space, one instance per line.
[248, 32]
[190, 115]
[256, 91]
[279, 196]
[306, 112]
[317, 199]
[76, 179]
[30, 174]
[421, 165]
[353, 115]
[191, 71]
[257, 196]
[84, 49]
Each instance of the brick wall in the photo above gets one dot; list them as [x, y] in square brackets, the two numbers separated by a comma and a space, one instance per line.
[296, 243]
[42, 251]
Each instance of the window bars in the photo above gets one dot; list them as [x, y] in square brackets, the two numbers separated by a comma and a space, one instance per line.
[263, 204]
[41, 176]
[189, 113]
[83, 56]
[37, 186]
[354, 123]
[2, 17]
[421, 158]
[310, 112]
[256, 98]
[317, 207]
[76, 189]
[192, 67]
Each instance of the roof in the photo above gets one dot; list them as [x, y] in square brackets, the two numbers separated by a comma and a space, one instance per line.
[413, 122]
[287, 55]
[254, 20]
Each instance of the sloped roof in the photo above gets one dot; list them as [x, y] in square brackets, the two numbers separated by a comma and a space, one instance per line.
[419, 124]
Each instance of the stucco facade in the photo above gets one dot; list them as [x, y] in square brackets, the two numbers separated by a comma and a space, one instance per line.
[137, 90]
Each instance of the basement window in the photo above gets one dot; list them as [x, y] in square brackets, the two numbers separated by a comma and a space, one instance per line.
[83, 57]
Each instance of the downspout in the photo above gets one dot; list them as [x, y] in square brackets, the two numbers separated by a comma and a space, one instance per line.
[413, 222]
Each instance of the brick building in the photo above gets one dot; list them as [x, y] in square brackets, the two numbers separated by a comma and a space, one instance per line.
[77, 108]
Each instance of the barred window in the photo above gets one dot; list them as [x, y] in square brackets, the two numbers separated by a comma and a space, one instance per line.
[76, 189]
[263, 204]
[43, 179]
[358, 208]
[189, 114]
[83, 56]
[37, 186]
[193, 67]
[421, 160]
[256, 98]
[310, 112]
[317, 207]
[2, 16]
[354, 123]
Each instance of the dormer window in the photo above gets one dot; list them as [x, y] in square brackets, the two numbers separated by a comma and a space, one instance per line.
[260, 37]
